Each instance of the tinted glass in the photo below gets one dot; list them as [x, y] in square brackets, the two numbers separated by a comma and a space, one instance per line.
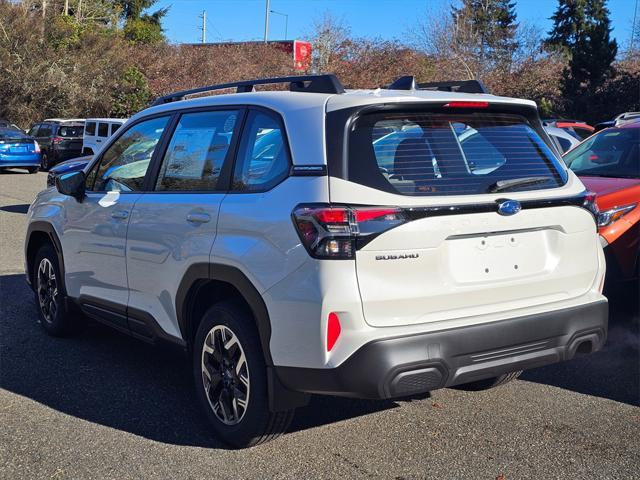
[614, 152]
[440, 153]
[103, 129]
[565, 144]
[197, 151]
[9, 134]
[114, 128]
[45, 130]
[263, 158]
[33, 131]
[90, 128]
[71, 130]
[124, 164]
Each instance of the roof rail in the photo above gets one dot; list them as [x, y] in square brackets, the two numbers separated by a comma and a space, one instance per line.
[408, 82]
[325, 83]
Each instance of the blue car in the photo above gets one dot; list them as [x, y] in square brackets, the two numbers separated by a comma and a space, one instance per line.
[19, 150]
[68, 166]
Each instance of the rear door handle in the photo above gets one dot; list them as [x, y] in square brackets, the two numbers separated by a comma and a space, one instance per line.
[120, 214]
[198, 217]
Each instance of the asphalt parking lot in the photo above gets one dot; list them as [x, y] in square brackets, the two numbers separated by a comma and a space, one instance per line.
[102, 405]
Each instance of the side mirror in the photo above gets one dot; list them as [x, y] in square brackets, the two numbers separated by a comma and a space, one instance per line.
[71, 184]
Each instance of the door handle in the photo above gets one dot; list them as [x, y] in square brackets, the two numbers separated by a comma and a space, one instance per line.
[120, 214]
[198, 217]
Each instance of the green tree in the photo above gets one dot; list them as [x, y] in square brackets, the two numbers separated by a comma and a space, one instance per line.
[488, 28]
[140, 26]
[581, 31]
[132, 95]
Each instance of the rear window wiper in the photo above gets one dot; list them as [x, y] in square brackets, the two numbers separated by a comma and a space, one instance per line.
[502, 185]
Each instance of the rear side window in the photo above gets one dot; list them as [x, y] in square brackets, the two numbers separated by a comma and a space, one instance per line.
[263, 158]
[45, 130]
[103, 129]
[90, 129]
[443, 153]
[114, 128]
[197, 151]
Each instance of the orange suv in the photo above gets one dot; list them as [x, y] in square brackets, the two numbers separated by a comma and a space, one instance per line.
[608, 163]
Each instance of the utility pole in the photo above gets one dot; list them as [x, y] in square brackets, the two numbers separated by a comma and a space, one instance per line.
[203, 39]
[266, 21]
[66, 8]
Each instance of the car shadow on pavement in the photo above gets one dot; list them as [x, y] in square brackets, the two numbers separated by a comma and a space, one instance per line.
[20, 208]
[613, 372]
[105, 377]
[110, 379]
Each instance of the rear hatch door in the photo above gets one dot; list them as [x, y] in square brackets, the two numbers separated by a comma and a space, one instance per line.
[491, 219]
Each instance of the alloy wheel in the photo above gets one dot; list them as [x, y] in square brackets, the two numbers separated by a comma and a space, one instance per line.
[225, 375]
[47, 287]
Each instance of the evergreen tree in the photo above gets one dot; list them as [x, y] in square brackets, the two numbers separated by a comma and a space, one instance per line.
[140, 26]
[581, 31]
[489, 28]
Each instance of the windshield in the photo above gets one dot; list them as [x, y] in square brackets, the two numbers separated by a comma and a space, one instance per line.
[11, 135]
[611, 153]
[443, 152]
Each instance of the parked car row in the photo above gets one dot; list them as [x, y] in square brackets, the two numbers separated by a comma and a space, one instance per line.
[53, 140]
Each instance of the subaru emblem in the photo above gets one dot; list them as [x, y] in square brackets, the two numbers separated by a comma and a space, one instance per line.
[508, 207]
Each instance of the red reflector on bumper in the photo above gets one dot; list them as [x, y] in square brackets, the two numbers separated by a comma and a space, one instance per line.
[333, 330]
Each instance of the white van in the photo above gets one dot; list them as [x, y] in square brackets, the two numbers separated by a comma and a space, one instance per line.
[97, 131]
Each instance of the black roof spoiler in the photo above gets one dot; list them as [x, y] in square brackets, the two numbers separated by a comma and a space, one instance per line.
[408, 82]
[324, 83]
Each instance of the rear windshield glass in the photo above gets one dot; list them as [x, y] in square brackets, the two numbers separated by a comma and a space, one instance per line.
[70, 130]
[9, 134]
[443, 153]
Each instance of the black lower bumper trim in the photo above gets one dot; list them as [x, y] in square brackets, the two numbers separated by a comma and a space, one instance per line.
[409, 365]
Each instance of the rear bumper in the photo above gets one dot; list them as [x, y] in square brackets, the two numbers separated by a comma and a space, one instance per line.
[20, 163]
[410, 365]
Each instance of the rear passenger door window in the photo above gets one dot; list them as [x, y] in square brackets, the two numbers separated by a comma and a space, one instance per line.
[124, 164]
[263, 158]
[199, 146]
[103, 129]
[45, 130]
[90, 129]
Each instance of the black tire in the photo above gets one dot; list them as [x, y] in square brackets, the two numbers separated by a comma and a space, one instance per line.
[55, 318]
[44, 162]
[256, 423]
[489, 382]
[33, 169]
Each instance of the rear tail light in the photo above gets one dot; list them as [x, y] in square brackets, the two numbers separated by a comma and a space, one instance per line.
[36, 147]
[336, 232]
[591, 205]
[57, 140]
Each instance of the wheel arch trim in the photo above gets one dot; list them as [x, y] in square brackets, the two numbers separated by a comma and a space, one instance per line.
[37, 227]
[199, 272]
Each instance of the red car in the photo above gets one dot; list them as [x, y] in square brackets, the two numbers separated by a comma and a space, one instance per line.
[608, 163]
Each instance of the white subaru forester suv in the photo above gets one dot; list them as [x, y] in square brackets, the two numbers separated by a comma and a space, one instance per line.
[365, 243]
